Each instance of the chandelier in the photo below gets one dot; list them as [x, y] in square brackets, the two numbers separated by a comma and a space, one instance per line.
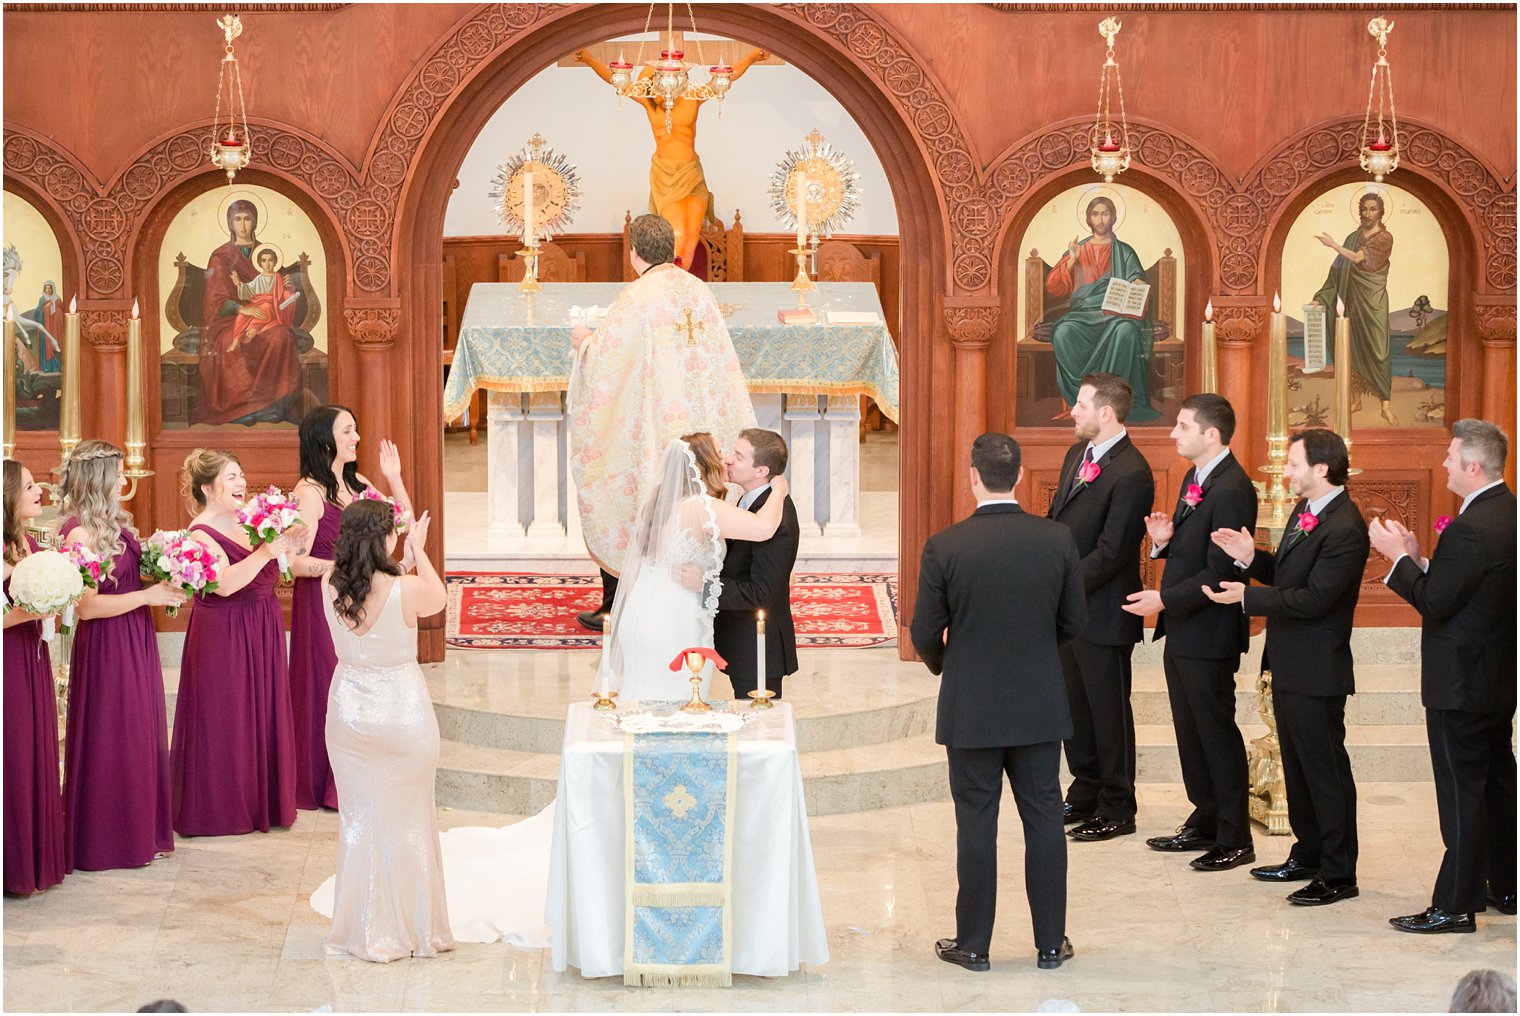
[1110, 138]
[669, 80]
[229, 143]
[1380, 145]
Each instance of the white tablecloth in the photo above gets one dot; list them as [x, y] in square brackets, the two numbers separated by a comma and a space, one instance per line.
[777, 919]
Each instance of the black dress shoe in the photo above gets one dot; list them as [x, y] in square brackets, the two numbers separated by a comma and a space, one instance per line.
[1434, 921]
[1289, 871]
[1073, 816]
[1502, 903]
[1101, 829]
[1185, 838]
[1049, 959]
[1319, 893]
[591, 620]
[1220, 859]
[949, 950]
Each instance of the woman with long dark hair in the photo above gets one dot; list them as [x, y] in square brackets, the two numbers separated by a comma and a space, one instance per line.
[382, 737]
[33, 804]
[116, 761]
[233, 760]
[330, 480]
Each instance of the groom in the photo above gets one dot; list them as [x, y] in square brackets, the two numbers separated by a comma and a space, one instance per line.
[757, 576]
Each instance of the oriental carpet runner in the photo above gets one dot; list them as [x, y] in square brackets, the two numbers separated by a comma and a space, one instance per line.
[503, 610]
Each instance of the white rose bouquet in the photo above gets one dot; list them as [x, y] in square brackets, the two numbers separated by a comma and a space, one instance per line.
[46, 583]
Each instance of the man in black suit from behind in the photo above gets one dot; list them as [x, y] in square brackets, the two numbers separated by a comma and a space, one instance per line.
[758, 576]
[1466, 598]
[1105, 493]
[1204, 640]
[1312, 585]
[997, 593]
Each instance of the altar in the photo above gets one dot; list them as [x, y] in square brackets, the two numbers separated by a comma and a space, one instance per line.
[805, 380]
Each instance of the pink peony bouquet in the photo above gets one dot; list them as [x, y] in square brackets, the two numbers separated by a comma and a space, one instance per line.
[403, 517]
[265, 518]
[175, 557]
[91, 568]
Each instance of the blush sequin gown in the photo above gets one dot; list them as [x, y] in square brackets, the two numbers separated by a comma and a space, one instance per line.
[382, 739]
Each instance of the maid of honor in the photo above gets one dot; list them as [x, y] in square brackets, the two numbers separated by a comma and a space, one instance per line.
[330, 480]
[33, 804]
[116, 760]
[233, 758]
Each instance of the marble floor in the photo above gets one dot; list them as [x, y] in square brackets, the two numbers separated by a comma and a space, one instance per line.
[223, 924]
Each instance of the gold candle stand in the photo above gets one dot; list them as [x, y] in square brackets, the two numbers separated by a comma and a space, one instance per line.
[604, 696]
[802, 283]
[762, 699]
[529, 283]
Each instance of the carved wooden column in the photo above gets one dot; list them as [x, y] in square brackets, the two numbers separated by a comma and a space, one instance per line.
[103, 388]
[1241, 326]
[971, 328]
[1496, 330]
[373, 330]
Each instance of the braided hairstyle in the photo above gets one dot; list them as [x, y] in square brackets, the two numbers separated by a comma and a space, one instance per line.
[359, 554]
[90, 487]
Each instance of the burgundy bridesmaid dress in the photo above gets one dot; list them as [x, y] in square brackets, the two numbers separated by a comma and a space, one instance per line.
[33, 801]
[233, 754]
[116, 789]
[312, 662]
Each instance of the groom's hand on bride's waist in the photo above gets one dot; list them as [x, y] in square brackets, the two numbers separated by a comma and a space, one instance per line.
[691, 577]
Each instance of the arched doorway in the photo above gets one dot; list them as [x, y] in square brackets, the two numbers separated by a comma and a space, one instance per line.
[424, 202]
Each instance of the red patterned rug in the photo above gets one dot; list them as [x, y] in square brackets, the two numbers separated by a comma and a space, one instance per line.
[496, 610]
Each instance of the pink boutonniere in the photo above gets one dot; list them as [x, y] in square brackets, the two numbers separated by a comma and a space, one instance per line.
[1193, 496]
[1307, 523]
[1087, 472]
[1442, 523]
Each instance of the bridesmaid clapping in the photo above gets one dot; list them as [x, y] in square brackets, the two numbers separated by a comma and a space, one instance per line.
[116, 761]
[234, 758]
[330, 480]
[33, 804]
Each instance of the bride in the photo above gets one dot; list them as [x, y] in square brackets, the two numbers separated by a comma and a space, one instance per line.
[668, 591]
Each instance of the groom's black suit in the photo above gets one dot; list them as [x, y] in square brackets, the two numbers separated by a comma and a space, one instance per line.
[757, 576]
[1005, 584]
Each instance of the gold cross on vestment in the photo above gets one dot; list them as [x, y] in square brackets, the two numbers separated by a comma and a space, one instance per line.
[692, 327]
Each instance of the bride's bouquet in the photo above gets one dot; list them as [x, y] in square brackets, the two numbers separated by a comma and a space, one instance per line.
[46, 583]
[176, 557]
[265, 518]
[403, 517]
[91, 567]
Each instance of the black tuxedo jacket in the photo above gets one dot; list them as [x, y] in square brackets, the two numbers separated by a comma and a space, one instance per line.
[1005, 583]
[757, 576]
[1192, 624]
[1314, 581]
[1467, 601]
[1107, 521]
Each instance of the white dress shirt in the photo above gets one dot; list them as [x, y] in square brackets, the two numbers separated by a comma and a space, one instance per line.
[1425, 565]
[1098, 451]
[1200, 473]
[750, 496]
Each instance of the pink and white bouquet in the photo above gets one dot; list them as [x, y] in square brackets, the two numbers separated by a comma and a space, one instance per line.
[266, 517]
[403, 517]
[46, 583]
[176, 557]
[91, 568]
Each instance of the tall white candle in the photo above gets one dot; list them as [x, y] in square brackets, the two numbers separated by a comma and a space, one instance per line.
[802, 220]
[760, 645]
[528, 209]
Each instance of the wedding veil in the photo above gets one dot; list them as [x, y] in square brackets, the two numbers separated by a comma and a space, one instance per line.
[675, 526]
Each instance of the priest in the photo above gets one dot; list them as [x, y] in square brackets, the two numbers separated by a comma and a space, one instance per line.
[661, 364]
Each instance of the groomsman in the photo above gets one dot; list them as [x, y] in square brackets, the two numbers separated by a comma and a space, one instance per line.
[1466, 597]
[1204, 640]
[996, 593]
[1313, 581]
[1106, 490]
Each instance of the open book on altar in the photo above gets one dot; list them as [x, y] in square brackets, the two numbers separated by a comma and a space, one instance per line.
[1126, 299]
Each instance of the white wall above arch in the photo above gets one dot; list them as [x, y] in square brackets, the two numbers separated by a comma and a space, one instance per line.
[768, 112]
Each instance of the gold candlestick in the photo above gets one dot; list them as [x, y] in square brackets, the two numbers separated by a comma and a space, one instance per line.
[10, 382]
[604, 695]
[69, 427]
[529, 283]
[1210, 380]
[1277, 417]
[1343, 375]
[802, 283]
[137, 419]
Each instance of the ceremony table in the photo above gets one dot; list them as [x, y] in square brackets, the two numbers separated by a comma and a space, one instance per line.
[806, 382]
[777, 918]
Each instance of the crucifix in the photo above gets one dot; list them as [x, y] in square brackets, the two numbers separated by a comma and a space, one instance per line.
[692, 327]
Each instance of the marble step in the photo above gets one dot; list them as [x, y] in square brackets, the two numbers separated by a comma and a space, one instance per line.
[1386, 693]
[908, 771]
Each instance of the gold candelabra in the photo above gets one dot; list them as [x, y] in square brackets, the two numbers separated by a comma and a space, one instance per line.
[1277, 419]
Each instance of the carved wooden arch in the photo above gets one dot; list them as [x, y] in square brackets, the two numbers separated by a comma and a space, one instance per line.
[58, 221]
[105, 220]
[1459, 186]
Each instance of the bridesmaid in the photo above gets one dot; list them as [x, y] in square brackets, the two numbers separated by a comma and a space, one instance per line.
[330, 480]
[233, 758]
[33, 803]
[388, 897]
[116, 760]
